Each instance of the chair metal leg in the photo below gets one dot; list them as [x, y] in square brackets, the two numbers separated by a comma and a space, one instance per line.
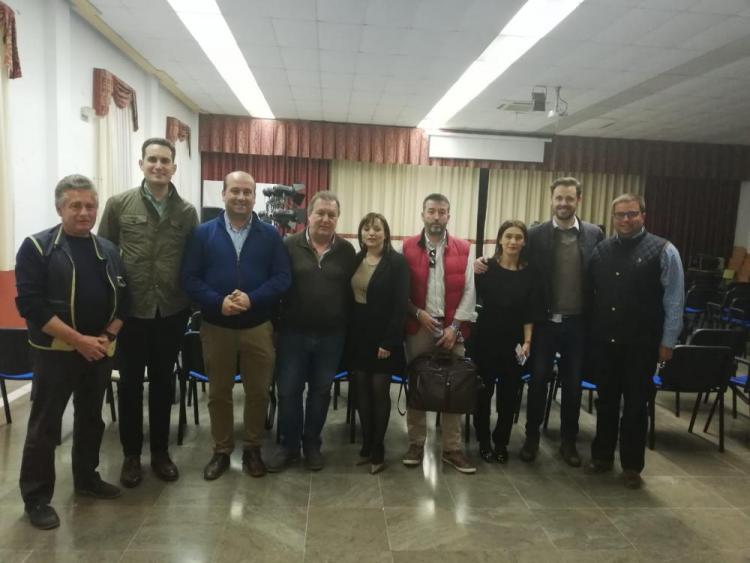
[271, 412]
[696, 406]
[711, 413]
[551, 396]
[721, 420]
[6, 405]
[467, 428]
[351, 413]
[677, 404]
[336, 393]
[182, 418]
[591, 401]
[518, 402]
[195, 402]
[652, 422]
[734, 403]
[111, 400]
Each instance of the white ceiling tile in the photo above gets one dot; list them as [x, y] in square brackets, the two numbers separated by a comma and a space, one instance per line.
[394, 13]
[726, 7]
[369, 82]
[335, 96]
[300, 59]
[364, 97]
[303, 78]
[336, 80]
[338, 61]
[250, 30]
[718, 35]
[440, 15]
[632, 25]
[267, 76]
[306, 94]
[262, 56]
[290, 9]
[339, 37]
[342, 11]
[679, 27]
[380, 39]
[296, 33]
[376, 64]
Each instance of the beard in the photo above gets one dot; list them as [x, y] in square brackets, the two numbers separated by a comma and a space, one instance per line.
[435, 229]
[564, 212]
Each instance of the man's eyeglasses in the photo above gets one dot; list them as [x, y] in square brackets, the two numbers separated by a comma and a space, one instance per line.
[620, 215]
[433, 257]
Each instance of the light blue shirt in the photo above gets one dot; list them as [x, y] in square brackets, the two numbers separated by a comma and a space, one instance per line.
[673, 282]
[238, 236]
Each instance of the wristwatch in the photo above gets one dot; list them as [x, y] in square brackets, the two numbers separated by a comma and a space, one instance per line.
[456, 326]
[110, 336]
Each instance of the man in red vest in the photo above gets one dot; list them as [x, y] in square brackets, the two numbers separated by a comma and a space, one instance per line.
[442, 302]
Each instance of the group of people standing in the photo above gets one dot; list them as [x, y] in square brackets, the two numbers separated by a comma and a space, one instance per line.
[305, 307]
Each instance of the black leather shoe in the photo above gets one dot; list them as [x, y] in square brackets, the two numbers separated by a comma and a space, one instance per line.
[216, 467]
[163, 467]
[501, 454]
[252, 462]
[569, 453]
[42, 516]
[529, 450]
[631, 479]
[595, 466]
[99, 489]
[131, 474]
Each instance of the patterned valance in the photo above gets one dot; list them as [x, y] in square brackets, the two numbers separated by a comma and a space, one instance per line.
[178, 131]
[8, 31]
[106, 86]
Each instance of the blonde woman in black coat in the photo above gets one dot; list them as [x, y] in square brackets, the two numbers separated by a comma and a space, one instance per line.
[380, 289]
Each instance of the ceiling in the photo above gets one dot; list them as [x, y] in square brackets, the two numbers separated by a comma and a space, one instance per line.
[675, 70]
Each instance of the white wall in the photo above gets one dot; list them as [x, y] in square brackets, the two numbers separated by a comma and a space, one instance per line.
[742, 231]
[47, 137]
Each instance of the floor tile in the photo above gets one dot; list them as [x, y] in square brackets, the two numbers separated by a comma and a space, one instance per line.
[361, 528]
[345, 491]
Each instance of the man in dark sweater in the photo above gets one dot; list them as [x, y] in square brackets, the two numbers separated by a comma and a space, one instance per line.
[313, 324]
[72, 293]
[638, 285]
[235, 266]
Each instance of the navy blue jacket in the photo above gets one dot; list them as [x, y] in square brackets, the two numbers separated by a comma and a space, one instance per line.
[211, 271]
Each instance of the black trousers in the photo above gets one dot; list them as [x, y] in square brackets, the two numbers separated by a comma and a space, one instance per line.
[508, 371]
[623, 371]
[57, 375]
[147, 344]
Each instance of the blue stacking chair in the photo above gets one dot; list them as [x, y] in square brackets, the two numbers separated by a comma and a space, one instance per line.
[15, 363]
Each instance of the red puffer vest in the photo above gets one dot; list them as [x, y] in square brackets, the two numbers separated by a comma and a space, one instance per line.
[455, 257]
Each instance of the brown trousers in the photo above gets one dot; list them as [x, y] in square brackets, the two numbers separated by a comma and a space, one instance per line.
[223, 348]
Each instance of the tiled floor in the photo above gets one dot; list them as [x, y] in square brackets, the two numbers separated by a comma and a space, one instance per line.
[695, 505]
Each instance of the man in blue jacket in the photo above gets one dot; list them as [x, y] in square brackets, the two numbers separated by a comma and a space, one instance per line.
[236, 267]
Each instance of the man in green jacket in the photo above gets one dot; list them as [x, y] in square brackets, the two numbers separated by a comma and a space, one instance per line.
[150, 224]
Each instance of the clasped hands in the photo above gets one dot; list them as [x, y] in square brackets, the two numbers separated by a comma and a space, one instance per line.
[235, 303]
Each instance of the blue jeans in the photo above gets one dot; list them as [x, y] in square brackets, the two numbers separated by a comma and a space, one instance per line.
[312, 358]
[549, 338]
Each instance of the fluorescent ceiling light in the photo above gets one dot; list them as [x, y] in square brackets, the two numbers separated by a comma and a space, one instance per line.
[207, 25]
[533, 21]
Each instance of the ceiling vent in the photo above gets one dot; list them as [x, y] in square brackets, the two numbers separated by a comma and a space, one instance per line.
[516, 106]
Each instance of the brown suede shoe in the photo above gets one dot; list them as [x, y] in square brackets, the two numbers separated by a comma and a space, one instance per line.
[458, 460]
[252, 462]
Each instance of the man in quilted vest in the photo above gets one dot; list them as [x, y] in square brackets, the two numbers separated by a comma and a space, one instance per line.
[442, 302]
[636, 318]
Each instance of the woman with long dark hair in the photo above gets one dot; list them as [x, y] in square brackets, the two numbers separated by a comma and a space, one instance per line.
[380, 289]
[509, 295]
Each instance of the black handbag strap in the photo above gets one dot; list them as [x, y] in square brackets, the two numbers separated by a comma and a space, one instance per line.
[403, 389]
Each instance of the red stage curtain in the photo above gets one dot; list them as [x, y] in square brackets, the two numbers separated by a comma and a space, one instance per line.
[314, 173]
[697, 216]
[178, 131]
[408, 145]
[9, 38]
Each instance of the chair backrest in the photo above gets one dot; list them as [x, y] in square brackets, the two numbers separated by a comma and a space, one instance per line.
[192, 353]
[729, 337]
[698, 368]
[14, 351]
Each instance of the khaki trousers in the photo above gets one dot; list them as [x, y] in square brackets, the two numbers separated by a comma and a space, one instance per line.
[223, 348]
[416, 421]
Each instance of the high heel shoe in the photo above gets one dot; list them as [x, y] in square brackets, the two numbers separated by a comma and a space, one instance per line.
[486, 453]
[501, 454]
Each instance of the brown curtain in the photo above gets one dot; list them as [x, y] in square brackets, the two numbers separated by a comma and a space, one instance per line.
[408, 145]
[314, 173]
[697, 216]
[178, 131]
[8, 31]
[106, 86]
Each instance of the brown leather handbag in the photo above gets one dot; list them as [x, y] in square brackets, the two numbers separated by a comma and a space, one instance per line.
[442, 382]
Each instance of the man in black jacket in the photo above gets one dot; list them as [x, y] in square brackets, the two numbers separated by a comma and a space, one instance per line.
[314, 314]
[560, 249]
[71, 291]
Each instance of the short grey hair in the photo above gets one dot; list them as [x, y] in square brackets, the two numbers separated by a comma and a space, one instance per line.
[325, 196]
[628, 197]
[73, 182]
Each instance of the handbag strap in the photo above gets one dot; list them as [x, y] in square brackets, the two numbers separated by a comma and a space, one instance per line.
[402, 389]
